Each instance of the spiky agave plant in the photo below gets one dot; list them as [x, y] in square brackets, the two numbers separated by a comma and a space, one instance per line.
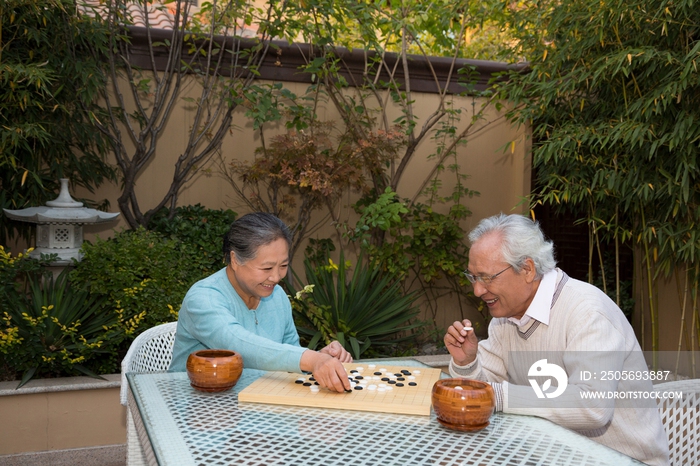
[60, 328]
[361, 308]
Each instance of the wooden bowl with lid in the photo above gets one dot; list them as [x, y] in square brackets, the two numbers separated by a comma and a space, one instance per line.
[463, 404]
[214, 370]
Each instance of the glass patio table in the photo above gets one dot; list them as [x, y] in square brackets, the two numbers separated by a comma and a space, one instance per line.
[177, 425]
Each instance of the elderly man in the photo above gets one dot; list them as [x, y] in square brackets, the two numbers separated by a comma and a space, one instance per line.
[547, 324]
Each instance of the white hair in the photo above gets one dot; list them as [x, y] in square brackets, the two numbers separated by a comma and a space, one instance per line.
[521, 238]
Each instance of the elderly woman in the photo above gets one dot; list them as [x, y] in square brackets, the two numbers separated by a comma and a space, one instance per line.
[242, 308]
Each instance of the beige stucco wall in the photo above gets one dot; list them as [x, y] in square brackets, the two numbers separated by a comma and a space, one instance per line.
[502, 177]
[60, 420]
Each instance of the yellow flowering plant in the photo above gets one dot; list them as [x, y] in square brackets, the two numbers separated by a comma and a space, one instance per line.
[56, 329]
[13, 273]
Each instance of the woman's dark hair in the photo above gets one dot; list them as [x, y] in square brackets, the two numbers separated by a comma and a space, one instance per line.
[250, 232]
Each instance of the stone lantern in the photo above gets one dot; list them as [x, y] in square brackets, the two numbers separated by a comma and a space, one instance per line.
[59, 227]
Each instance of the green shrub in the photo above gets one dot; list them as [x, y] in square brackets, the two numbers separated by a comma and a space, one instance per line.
[364, 312]
[196, 226]
[416, 239]
[420, 247]
[122, 286]
[57, 329]
[142, 275]
[13, 278]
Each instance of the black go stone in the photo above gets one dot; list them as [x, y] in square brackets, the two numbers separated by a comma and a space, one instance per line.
[399, 384]
[412, 384]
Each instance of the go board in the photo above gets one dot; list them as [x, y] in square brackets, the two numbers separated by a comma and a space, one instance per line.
[375, 388]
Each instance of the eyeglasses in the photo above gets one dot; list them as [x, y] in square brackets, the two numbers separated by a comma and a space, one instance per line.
[483, 279]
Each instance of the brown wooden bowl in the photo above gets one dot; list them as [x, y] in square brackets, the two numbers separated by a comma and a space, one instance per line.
[463, 404]
[214, 370]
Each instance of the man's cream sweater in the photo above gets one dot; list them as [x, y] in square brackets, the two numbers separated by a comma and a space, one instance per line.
[587, 334]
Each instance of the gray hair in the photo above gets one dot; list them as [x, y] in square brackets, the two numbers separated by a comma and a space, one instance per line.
[251, 231]
[521, 238]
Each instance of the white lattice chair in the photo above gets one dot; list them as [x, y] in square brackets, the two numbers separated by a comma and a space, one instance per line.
[151, 351]
[681, 419]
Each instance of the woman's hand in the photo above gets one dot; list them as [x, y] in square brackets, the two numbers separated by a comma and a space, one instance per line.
[336, 350]
[327, 370]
